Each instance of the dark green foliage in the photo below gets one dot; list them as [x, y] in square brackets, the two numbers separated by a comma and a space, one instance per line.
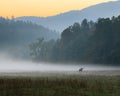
[104, 46]
[42, 50]
[77, 86]
[70, 46]
[89, 42]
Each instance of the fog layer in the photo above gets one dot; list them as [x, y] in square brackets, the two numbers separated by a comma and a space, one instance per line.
[8, 64]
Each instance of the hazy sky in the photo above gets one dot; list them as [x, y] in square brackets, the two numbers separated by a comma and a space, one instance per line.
[42, 8]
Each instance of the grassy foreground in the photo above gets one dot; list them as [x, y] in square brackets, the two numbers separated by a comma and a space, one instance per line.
[68, 86]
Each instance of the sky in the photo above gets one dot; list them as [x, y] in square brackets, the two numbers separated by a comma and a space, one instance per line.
[43, 8]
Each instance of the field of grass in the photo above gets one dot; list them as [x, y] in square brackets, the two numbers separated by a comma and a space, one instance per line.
[54, 86]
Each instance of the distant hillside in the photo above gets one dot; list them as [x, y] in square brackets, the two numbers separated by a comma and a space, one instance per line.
[61, 21]
[15, 36]
[19, 32]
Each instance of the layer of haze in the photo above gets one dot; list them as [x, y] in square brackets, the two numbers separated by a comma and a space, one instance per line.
[8, 64]
[43, 8]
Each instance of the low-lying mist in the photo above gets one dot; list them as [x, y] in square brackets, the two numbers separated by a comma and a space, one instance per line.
[10, 64]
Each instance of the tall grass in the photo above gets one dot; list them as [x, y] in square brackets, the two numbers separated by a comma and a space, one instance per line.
[70, 86]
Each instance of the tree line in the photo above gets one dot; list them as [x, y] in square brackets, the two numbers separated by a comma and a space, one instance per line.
[88, 42]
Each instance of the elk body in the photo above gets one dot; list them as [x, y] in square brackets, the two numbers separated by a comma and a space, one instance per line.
[81, 69]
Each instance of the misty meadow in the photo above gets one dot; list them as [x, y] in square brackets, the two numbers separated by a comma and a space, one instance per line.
[74, 53]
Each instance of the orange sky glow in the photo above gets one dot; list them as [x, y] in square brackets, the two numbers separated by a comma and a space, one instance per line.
[42, 8]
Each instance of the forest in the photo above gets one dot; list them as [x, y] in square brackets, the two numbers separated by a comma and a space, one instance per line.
[86, 42]
[89, 42]
[15, 36]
